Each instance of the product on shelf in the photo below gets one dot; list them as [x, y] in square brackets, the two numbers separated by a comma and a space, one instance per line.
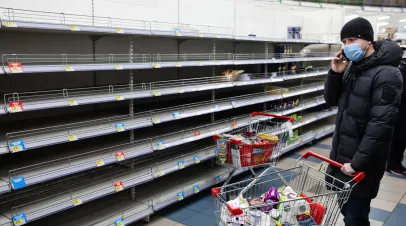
[234, 75]
[294, 32]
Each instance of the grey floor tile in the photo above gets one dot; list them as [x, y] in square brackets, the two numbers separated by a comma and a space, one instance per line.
[379, 215]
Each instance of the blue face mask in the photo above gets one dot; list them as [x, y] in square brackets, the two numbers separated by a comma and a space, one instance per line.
[353, 52]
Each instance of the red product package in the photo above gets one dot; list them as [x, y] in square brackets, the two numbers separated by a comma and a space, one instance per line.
[317, 210]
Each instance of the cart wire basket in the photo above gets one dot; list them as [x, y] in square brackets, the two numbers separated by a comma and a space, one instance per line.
[256, 144]
[297, 196]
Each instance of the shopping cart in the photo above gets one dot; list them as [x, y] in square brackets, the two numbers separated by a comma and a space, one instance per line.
[297, 196]
[257, 144]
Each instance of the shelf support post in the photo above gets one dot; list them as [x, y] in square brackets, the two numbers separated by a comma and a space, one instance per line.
[265, 71]
[213, 74]
[131, 102]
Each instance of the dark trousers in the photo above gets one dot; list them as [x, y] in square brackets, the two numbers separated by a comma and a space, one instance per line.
[398, 147]
[356, 212]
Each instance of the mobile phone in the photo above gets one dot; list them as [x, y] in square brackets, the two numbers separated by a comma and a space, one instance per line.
[343, 55]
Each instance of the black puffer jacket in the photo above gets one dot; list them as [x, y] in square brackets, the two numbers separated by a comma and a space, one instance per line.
[367, 94]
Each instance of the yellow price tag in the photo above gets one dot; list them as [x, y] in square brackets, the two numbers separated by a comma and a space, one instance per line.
[156, 121]
[16, 148]
[156, 93]
[180, 90]
[161, 173]
[77, 202]
[178, 64]
[199, 63]
[99, 162]
[119, 31]
[72, 138]
[19, 222]
[201, 35]
[119, 97]
[69, 68]
[120, 223]
[74, 28]
[156, 65]
[10, 24]
[72, 102]
[118, 66]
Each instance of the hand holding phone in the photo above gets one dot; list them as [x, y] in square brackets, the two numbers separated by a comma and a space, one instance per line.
[339, 62]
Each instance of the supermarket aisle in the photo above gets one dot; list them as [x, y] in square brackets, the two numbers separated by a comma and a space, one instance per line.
[388, 209]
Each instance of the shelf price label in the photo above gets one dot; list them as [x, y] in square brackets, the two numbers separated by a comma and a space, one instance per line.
[72, 138]
[176, 115]
[119, 31]
[178, 64]
[181, 164]
[119, 97]
[161, 145]
[17, 146]
[156, 93]
[217, 107]
[119, 186]
[120, 127]
[120, 156]
[180, 196]
[196, 134]
[217, 180]
[72, 102]
[118, 66]
[99, 163]
[77, 202]
[18, 182]
[161, 173]
[15, 67]
[196, 189]
[119, 222]
[10, 24]
[177, 32]
[196, 159]
[201, 35]
[199, 63]
[74, 28]
[156, 65]
[68, 68]
[19, 219]
[15, 107]
[180, 90]
[156, 120]
[234, 124]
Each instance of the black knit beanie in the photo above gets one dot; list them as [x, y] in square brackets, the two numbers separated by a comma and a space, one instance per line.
[358, 28]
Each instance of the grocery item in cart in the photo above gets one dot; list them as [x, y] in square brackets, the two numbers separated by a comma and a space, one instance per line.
[290, 206]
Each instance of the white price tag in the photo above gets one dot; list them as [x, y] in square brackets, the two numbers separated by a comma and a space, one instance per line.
[178, 64]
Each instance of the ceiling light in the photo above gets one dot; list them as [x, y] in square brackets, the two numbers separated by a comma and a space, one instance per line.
[382, 24]
[383, 17]
[402, 20]
[351, 16]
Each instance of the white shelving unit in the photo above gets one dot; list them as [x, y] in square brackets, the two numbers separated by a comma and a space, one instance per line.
[55, 158]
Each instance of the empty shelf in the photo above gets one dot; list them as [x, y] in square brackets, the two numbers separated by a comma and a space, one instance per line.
[72, 164]
[31, 139]
[29, 63]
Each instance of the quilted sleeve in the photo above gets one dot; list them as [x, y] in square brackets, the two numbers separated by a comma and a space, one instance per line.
[332, 88]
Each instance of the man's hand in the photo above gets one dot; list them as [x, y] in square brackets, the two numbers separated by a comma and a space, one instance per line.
[348, 170]
[339, 63]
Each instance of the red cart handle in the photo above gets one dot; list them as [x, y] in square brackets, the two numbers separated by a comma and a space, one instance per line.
[290, 119]
[358, 176]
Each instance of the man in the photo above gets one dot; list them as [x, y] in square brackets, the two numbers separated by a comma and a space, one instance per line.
[366, 85]
[394, 164]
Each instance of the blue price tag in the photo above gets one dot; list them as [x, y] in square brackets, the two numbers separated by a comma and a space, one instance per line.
[196, 159]
[18, 182]
[180, 196]
[216, 106]
[19, 219]
[120, 127]
[161, 145]
[119, 222]
[217, 180]
[196, 189]
[17, 146]
[176, 115]
[181, 164]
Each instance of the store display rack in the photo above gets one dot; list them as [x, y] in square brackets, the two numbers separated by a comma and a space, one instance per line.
[102, 187]
[31, 101]
[40, 172]
[52, 21]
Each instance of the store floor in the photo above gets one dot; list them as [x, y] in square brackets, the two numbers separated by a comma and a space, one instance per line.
[388, 209]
